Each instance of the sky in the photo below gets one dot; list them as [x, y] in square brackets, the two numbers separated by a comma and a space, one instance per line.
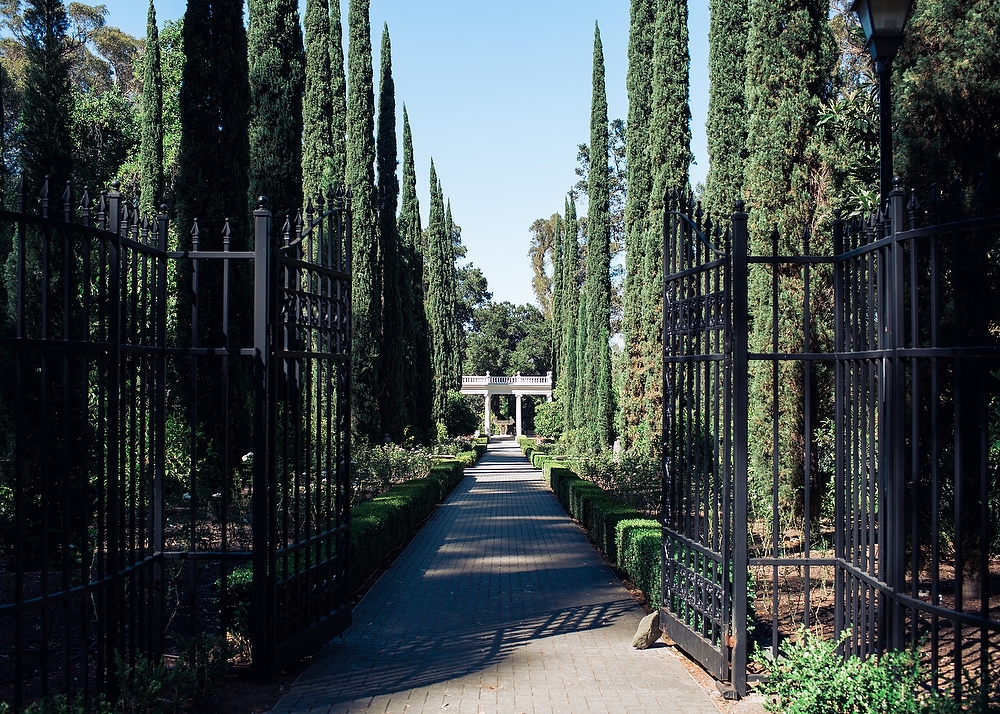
[500, 99]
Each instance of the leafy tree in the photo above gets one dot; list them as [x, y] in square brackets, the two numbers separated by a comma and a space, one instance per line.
[790, 59]
[392, 361]
[542, 244]
[366, 315]
[506, 339]
[277, 82]
[598, 393]
[151, 191]
[726, 126]
[617, 179]
[317, 102]
[639, 81]
[473, 293]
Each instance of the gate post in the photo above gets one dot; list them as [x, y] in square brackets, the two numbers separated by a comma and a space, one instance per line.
[739, 280]
[896, 501]
[262, 605]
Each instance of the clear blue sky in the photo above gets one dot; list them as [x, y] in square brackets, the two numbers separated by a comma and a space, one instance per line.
[499, 96]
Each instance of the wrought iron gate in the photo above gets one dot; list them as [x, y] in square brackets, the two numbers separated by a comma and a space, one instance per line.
[891, 535]
[137, 376]
[704, 551]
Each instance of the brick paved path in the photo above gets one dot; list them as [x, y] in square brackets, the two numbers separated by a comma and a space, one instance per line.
[498, 605]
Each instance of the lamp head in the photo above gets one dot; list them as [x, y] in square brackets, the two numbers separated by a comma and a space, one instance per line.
[883, 22]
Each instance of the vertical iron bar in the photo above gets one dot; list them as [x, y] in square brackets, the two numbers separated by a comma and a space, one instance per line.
[740, 307]
[839, 436]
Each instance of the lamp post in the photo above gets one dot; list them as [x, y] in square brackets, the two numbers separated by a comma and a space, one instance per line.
[883, 22]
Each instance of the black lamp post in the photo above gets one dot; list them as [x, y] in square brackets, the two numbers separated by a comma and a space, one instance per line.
[883, 22]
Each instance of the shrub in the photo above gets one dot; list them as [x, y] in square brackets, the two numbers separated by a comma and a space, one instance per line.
[638, 544]
[812, 677]
[605, 516]
[459, 417]
[374, 470]
[549, 419]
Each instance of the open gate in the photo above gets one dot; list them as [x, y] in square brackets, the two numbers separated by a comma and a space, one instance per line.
[704, 549]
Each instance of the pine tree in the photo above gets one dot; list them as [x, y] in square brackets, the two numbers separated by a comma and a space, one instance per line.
[277, 82]
[599, 395]
[670, 157]
[726, 125]
[336, 168]
[361, 179]
[392, 362]
[47, 105]
[151, 149]
[639, 81]
[418, 383]
[557, 295]
[790, 58]
[317, 102]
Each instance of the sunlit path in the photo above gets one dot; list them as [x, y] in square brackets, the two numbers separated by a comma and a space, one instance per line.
[498, 605]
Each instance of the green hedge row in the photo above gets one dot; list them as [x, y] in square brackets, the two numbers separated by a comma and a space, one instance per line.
[382, 524]
[629, 538]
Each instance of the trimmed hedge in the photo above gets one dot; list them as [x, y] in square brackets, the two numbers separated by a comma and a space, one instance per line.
[629, 539]
[382, 524]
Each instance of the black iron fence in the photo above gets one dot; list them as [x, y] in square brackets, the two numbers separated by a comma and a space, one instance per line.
[176, 440]
[874, 515]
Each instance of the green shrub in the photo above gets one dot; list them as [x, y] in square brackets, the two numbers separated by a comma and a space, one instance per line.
[605, 516]
[580, 493]
[811, 677]
[549, 419]
[555, 473]
[638, 544]
[459, 417]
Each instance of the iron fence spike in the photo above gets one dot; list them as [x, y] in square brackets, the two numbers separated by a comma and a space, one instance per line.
[226, 230]
[44, 193]
[194, 229]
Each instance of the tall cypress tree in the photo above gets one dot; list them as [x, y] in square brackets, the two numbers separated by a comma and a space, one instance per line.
[440, 299]
[317, 103]
[47, 105]
[557, 295]
[392, 362]
[455, 333]
[571, 304]
[726, 125]
[418, 382]
[670, 158]
[581, 407]
[790, 58]
[151, 149]
[361, 179]
[639, 81]
[336, 169]
[277, 81]
[213, 184]
[599, 393]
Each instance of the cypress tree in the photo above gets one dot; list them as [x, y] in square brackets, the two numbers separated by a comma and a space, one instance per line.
[317, 103]
[151, 149]
[557, 295]
[581, 407]
[571, 268]
[727, 122]
[455, 332]
[599, 394]
[212, 184]
[47, 104]
[639, 81]
[418, 382]
[790, 58]
[392, 351]
[277, 81]
[361, 179]
[440, 301]
[336, 168]
[670, 157]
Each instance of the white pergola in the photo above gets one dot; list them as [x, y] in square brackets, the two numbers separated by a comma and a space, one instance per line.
[518, 385]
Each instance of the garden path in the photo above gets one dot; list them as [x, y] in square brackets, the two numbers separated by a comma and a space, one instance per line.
[499, 604]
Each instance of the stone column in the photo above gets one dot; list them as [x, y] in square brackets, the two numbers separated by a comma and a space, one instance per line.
[517, 412]
[486, 418]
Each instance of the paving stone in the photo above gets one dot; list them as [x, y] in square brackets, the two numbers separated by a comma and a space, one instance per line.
[499, 605]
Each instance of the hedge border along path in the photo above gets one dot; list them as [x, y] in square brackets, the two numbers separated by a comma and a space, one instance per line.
[629, 539]
[499, 604]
